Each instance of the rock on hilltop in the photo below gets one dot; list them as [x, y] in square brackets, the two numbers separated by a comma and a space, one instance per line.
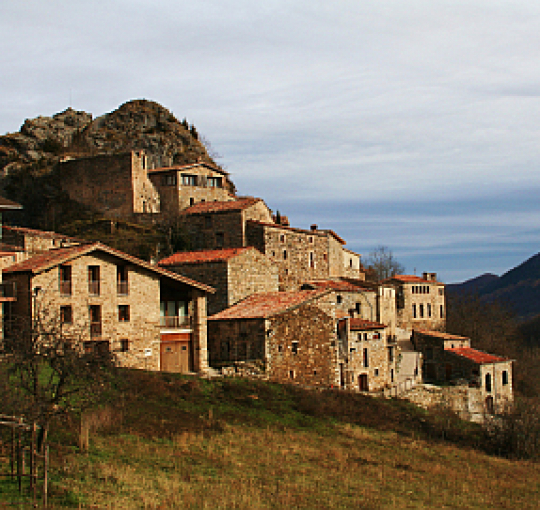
[135, 125]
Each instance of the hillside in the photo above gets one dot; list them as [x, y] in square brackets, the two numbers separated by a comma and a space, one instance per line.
[29, 156]
[518, 288]
[169, 442]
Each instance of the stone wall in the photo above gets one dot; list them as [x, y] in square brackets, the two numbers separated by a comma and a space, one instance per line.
[421, 310]
[177, 195]
[141, 331]
[115, 185]
[214, 231]
[302, 348]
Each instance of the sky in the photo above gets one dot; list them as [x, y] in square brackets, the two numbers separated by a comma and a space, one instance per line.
[413, 125]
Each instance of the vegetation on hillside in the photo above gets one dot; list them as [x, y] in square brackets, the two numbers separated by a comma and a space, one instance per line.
[168, 441]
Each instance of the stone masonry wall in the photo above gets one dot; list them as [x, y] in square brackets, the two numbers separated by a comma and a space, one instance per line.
[214, 231]
[302, 348]
[428, 306]
[142, 329]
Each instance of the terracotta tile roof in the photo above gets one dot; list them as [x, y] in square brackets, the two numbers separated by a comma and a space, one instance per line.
[338, 286]
[9, 204]
[221, 206]
[440, 334]
[409, 278]
[268, 304]
[300, 230]
[363, 324]
[186, 167]
[200, 257]
[478, 357]
[55, 257]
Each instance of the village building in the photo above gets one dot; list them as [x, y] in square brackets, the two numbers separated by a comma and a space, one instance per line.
[290, 335]
[367, 355]
[235, 273]
[451, 359]
[182, 186]
[148, 317]
[420, 302]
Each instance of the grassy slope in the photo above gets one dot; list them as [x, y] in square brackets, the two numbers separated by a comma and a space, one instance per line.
[174, 442]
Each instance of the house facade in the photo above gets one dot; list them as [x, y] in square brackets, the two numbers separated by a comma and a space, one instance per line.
[148, 317]
[235, 273]
[420, 302]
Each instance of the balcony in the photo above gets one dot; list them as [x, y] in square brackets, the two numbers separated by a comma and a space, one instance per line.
[93, 288]
[175, 322]
[8, 291]
[122, 288]
[65, 287]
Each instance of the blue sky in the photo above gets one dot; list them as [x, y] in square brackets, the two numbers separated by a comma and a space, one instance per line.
[413, 124]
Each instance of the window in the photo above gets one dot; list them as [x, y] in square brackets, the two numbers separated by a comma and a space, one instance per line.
[214, 182]
[442, 312]
[99, 347]
[284, 254]
[66, 314]
[414, 311]
[357, 307]
[421, 311]
[311, 259]
[169, 180]
[123, 313]
[488, 382]
[122, 280]
[294, 347]
[339, 300]
[220, 239]
[366, 358]
[282, 238]
[65, 280]
[95, 320]
[191, 201]
[505, 377]
[291, 374]
[376, 372]
[350, 263]
[376, 336]
[390, 354]
[189, 180]
[124, 345]
[429, 309]
[93, 280]
[441, 291]
[310, 239]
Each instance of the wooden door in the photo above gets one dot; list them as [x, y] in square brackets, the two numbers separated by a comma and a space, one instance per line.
[175, 356]
[363, 383]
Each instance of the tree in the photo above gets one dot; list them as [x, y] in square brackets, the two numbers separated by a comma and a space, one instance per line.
[382, 263]
[48, 371]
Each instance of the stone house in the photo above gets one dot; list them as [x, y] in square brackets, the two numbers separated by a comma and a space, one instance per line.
[149, 317]
[367, 355]
[216, 225]
[117, 185]
[182, 186]
[303, 255]
[235, 273]
[420, 302]
[292, 335]
[361, 300]
[450, 358]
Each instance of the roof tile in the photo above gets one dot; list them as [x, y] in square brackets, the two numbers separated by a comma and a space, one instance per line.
[199, 257]
[478, 357]
[221, 206]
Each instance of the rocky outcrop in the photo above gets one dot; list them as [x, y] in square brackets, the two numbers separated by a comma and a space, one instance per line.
[138, 124]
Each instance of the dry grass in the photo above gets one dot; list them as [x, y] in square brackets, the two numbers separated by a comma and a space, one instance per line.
[193, 445]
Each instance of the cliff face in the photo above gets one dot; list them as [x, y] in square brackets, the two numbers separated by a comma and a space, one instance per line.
[138, 124]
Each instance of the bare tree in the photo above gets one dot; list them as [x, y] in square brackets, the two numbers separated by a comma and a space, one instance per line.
[382, 263]
[49, 369]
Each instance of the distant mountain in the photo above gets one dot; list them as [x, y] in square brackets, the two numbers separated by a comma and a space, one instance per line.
[519, 288]
[472, 286]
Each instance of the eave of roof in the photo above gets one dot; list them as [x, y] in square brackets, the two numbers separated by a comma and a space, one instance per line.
[478, 357]
[221, 206]
[202, 257]
[300, 230]
[356, 324]
[338, 286]
[267, 305]
[410, 278]
[440, 334]
[49, 259]
[9, 204]
[188, 166]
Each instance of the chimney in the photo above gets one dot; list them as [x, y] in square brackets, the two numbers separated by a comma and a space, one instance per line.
[314, 227]
[430, 277]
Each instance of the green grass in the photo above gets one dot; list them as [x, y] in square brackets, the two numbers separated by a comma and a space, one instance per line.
[177, 442]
